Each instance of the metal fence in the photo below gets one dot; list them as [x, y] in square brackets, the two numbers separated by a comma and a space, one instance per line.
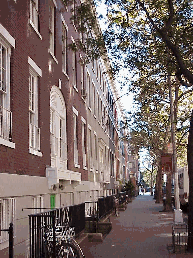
[180, 238]
[105, 206]
[74, 216]
[91, 209]
[10, 232]
[122, 197]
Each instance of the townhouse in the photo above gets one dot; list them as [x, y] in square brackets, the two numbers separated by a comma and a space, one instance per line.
[58, 121]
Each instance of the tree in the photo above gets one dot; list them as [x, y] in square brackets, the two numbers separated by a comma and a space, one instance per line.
[129, 187]
[139, 29]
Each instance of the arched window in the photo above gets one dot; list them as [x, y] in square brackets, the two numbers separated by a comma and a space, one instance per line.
[58, 129]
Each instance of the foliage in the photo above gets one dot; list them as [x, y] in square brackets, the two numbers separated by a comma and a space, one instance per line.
[149, 175]
[147, 31]
[129, 186]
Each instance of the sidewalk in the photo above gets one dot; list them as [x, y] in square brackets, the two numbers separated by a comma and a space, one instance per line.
[140, 231]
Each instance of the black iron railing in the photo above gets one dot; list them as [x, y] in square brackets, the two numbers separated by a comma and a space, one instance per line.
[105, 206]
[10, 232]
[180, 238]
[74, 216]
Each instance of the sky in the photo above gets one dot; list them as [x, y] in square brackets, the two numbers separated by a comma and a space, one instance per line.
[126, 100]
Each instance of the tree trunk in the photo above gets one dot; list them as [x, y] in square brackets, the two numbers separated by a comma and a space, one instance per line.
[190, 172]
[168, 206]
[159, 184]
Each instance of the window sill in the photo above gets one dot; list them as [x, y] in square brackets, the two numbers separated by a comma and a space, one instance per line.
[65, 74]
[74, 86]
[84, 99]
[7, 143]
[85, 168]
[77, 166]
[90, 109]
[35, 29]
[35, 152]
[53, 56]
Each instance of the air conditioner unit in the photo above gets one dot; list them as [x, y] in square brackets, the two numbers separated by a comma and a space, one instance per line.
[83, 93]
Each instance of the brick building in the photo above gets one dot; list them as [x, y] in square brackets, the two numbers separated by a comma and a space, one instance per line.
[58, 123]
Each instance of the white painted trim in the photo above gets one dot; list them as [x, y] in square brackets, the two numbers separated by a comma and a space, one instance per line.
[53, 56]
[34, 66]
[35, 152]
[7, 143]
[35, 29]
[75, 111]
[64, 22]
[83, 120]
[7, 36]
[72, 39]
[89, 127]
[54, 2]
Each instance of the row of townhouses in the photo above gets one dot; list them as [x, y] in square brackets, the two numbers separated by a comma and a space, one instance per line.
[60, 136]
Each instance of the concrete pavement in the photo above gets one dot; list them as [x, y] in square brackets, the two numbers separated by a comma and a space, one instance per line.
[140, 231]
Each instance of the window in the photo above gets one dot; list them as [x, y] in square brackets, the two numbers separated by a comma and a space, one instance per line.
[34, 130]
[73, 7]
[75, 117]
[100, 155]
[52, 17]
[93, 98]
[96, 146]
[57, 128]
[90, 142]
[34, 13]
[84, 141]
[74, 69]
[64, 49]
[37, 203]
[82, 79]
[57, 131]
[5, 114]
[89, 89]
[7, 215]
[6, 42]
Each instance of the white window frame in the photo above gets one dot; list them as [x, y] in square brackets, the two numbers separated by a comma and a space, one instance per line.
[82, 67]
[74, 69]
[7, 42]
[52, 11]
[84, 141]
[34, 16]
[74, 66]
[64, 46]
[34, 130]
[75, 121]
[58, 127]
[7, 215]
[95, 146]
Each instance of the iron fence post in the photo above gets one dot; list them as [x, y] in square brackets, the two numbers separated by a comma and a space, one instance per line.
[11, 240]
[54, 235]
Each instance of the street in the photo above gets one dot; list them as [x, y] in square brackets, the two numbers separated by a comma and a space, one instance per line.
[140, 231]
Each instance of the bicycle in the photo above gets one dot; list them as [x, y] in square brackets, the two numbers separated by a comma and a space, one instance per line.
[65, 244]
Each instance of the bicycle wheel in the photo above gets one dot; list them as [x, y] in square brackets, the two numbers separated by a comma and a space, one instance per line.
[67, 250]
[75, 243]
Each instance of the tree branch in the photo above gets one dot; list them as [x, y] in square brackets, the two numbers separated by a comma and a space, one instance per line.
[174, 49]
[171, 14]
